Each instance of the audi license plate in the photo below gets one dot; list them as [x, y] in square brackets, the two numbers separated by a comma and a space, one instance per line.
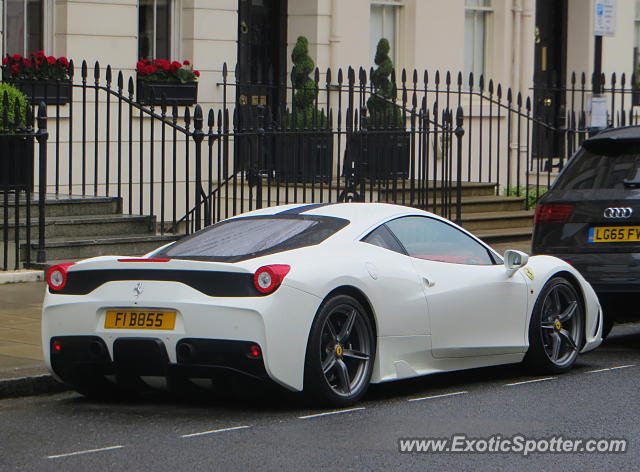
[147, 319]
[614, 234]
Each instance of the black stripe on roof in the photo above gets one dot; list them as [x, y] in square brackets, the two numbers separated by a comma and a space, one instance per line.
[303, 209]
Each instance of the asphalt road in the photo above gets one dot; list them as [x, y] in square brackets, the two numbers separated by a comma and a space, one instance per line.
[597, 399]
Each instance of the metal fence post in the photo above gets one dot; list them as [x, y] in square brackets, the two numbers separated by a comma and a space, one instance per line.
[459, 132]
[260, 156]
[198, 137]
[42, 135]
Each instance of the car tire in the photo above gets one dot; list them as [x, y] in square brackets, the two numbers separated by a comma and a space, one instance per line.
[340, 352]
[556, 329]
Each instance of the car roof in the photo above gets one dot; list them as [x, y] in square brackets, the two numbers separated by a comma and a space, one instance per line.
[625, 133]
[361, 215]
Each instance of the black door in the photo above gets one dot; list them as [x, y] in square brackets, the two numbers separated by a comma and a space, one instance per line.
[549, 77]
[262, 45]
[260, 75]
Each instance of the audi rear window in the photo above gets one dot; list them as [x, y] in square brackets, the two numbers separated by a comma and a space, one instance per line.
[249, 237]
[602, 166]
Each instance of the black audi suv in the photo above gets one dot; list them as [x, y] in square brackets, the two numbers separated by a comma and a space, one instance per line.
[590, 217]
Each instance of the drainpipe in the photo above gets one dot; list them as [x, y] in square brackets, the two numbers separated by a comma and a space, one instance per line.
[515, 69]
[515, 62]
[334, 39]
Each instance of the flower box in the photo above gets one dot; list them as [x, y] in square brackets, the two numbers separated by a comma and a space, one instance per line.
[40, 77]
[176, 93]
[50, 92]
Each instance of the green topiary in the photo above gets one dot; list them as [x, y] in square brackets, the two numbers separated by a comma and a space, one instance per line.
[306, 115]
[13, 94]
[382, 110]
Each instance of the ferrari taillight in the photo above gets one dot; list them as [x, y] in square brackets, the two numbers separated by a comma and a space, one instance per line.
[57, 276]
[552, 213]
[268, 278]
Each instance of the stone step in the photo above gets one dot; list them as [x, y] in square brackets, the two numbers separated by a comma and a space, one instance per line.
[81, 248]
[86, 226]
[496, 219]
[468, 189]
[481, 204]
[501, 235]
[67, 206]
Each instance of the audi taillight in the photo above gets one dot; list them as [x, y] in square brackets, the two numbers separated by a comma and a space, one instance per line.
[57, 276]
[552, 213]
[268, 278]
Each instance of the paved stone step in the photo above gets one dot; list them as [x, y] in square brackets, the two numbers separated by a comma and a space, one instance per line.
[497, 219]
[468, 189]
[490, 236]
[86, 226]
[481, 204]
[65, 206]
[81, 248]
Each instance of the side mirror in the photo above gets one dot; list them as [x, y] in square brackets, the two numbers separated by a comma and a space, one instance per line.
[514, 260]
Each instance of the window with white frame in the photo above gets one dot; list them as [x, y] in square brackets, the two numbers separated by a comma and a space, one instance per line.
[385, 16]
[154, 29]
[23, 26]
[476, 18]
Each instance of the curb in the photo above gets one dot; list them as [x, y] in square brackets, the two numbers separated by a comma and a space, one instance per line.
[21, 276]
[27, 386]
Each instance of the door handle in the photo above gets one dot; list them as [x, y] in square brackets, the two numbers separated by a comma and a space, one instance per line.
[428, 283]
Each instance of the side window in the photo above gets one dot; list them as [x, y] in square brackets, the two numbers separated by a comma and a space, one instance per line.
[431, 239]
[382, 237]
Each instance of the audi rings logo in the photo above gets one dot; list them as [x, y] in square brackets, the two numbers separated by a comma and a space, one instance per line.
[618, 212]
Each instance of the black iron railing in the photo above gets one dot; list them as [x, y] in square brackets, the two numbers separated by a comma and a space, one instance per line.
[189, 168]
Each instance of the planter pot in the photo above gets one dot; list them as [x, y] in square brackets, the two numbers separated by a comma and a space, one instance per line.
[305, 156]
[378, 154]
[176, 93]
[52, 92]
[16, 161]
[291, 157]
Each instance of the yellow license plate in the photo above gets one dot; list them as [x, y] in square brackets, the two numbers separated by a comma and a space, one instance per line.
[147, 319]
[614, 234]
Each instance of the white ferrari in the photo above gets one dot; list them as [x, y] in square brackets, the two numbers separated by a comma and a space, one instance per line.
[325, 298]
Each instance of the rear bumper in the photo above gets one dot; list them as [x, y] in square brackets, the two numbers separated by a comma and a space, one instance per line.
[83, 361]
[608, 272]
[278, 323]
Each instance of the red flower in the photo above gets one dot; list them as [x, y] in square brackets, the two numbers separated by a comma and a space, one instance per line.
[41, 54]
[5, 60]
[196, 73]
[26, 62]
[186, 63]
[17, 57]
[64, 61]
[51, 60]
[15, 69]
[140, 66]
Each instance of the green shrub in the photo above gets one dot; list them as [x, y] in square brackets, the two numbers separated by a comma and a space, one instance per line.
[533, 197]
[13, 94]
[382, 111]
[305, 114]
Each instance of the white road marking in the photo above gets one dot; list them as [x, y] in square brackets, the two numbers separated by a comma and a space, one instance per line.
[544, 379]
[610, 368]
[436, 396]
[213, 431]
[327, 413]
[88, 451]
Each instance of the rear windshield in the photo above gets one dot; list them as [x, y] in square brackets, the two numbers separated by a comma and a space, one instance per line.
[245, 238]
[602, 167]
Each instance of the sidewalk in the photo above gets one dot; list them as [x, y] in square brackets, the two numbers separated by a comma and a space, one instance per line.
[22, 370]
